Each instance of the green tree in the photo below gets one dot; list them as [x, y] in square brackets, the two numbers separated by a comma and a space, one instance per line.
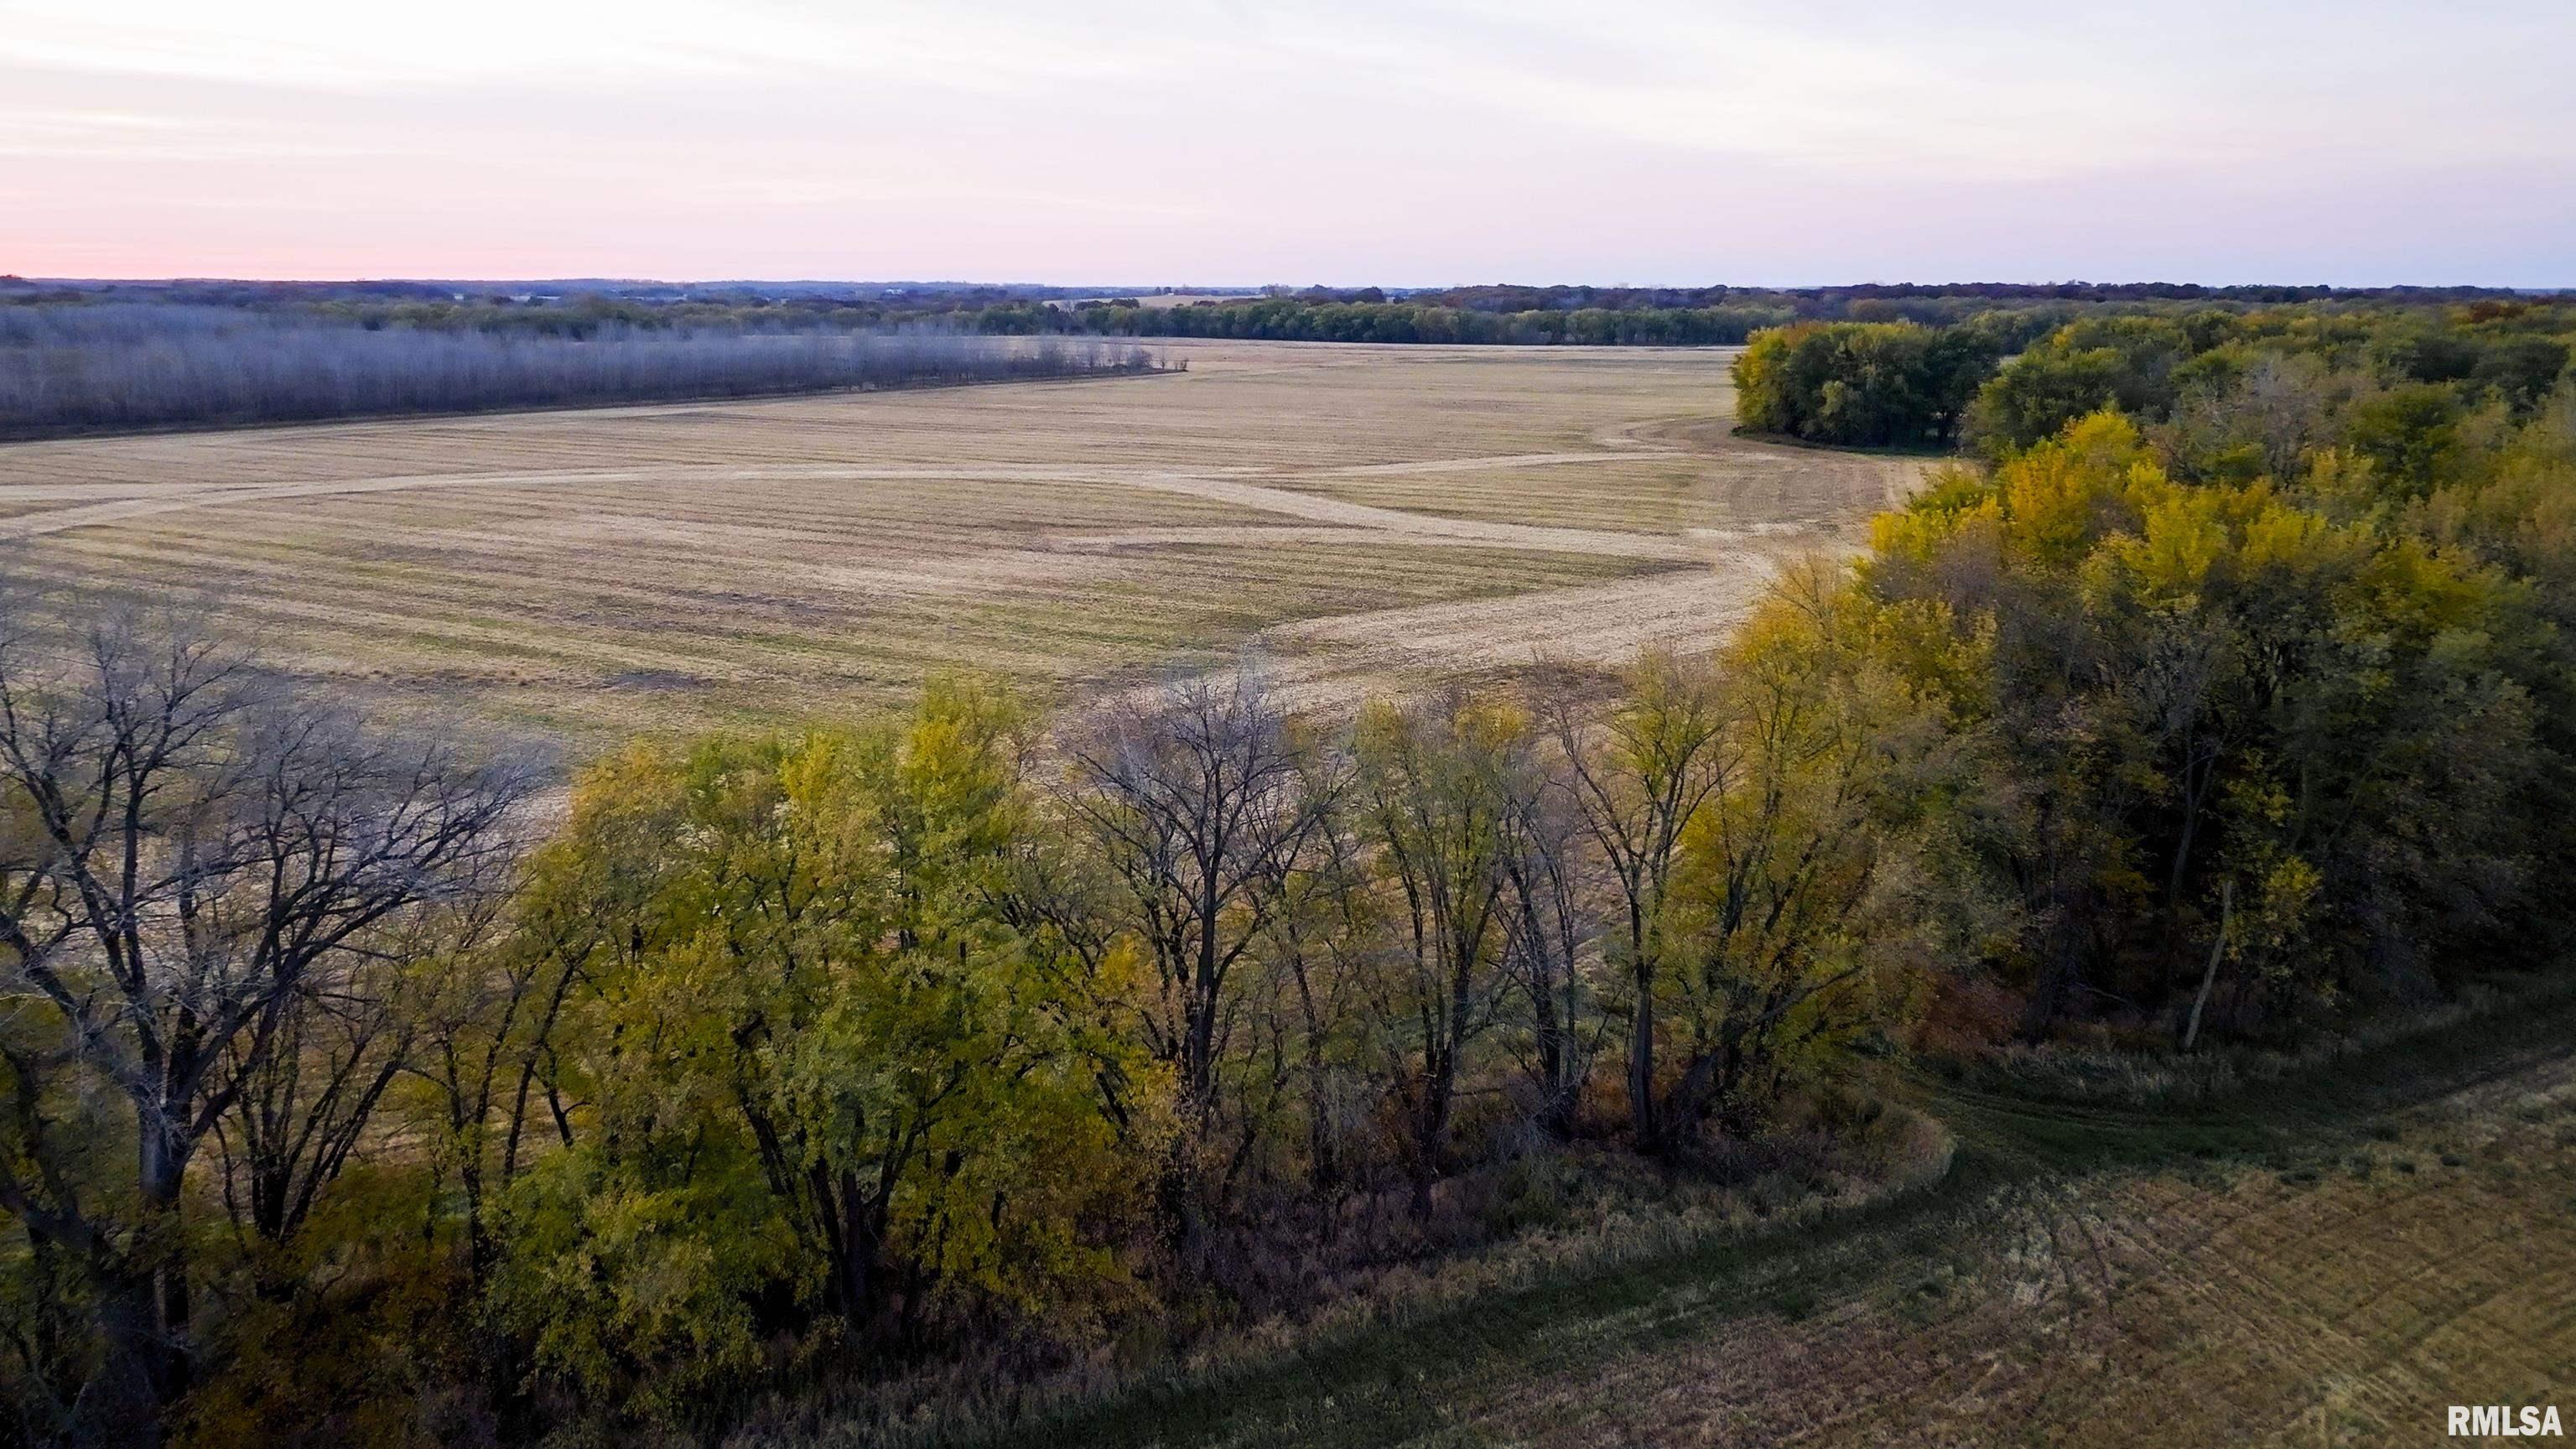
[2411, 434]
[1861, 384]
[832, 1075]
[2127, 363]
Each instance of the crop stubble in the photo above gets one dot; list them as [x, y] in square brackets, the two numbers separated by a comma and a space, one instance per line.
[1378, 517]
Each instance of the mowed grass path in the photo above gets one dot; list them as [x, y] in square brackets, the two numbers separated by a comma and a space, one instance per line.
[2328, 1261]
[595, 573]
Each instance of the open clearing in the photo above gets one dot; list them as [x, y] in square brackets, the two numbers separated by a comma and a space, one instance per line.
[1377, 517]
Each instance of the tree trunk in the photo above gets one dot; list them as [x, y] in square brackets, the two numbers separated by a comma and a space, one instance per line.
[1323, 1165]
[1428, 1131]
[127, 1401]
[862, 1231]
[1554, 1028]
[1200, 1067]
[1641, 1064]
[2191, 797]
[1555, 1112]
[162, 1170]
[1432, 1131]
[1687, 1108]
[2217, 952]
[480, 1253]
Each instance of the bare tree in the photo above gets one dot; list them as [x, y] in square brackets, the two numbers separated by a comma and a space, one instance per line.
[1551, 925]
[304, 1097]
[195, 854]
[1195, 803]
[2277, 409]
[125, 365]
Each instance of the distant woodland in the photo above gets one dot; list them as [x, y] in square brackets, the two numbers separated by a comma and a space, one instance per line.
[110, 366]
[2219, 700]
[1594, 316]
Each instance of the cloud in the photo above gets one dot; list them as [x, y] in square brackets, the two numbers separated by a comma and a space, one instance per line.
[1394, 142]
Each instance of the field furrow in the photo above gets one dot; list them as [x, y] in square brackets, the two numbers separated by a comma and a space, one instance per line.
[1376, 518]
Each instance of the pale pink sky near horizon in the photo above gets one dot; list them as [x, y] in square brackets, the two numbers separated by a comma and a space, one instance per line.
[1401, 143]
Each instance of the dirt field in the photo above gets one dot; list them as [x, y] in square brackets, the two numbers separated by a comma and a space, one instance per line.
[2332, 1260]
[1376, 516]
[2339, 1302]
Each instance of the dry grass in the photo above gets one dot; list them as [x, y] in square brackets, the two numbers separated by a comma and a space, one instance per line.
[1382, 516]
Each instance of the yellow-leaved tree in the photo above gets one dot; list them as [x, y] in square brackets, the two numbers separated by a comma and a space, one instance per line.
[828, 1082]
[1795, 923]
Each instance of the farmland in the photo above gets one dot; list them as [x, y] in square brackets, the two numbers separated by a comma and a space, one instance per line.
[1367, 514]
[2325, 1260]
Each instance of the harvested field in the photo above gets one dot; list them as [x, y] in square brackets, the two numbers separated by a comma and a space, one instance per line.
[1381, 517]
[2341, 1302]
[2332, 1259]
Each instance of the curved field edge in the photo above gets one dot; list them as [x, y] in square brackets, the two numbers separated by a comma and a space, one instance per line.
[2039, 1201]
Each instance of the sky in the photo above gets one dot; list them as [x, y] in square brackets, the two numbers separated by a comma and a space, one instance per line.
[1389, 142]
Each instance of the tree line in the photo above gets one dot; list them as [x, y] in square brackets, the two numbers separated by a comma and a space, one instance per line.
[2004, 381]
[584, 309]
[126, 366]
[333, 1090]
[1289, 319]
[2286, 373]
[2004, 319]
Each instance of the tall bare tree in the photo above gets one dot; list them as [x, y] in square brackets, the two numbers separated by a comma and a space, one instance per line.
[1195, 801]
[192, 854]
[1552, 924]
[487, 1025]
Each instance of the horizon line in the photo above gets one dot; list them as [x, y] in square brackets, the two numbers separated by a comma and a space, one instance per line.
[1232, 288]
